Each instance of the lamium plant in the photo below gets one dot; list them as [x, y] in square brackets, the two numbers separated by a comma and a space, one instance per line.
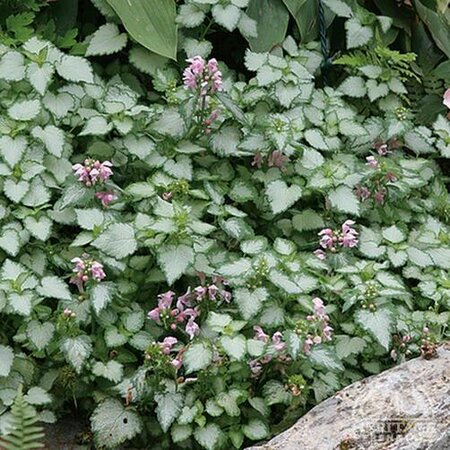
[193, 254]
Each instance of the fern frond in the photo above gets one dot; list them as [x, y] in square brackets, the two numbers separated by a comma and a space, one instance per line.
[24, 434]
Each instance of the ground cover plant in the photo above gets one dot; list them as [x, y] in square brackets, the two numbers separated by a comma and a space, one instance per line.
[210, 227]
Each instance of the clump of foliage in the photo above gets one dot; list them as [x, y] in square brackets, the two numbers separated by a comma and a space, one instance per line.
[195, 253]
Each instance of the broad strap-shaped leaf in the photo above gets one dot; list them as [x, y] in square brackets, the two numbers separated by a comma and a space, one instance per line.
[151, 22]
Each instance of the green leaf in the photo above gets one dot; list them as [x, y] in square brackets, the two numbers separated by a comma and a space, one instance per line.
[37, 396]
[339, 7]
[208, 436]
[89, 218]
[229, 401]
[167, 409]
[254, 246]
[112, 370]
[281, 196]
[40, 334]
[52, 137]
[325, 357]
[197, 357]
[152, 23]
[378, 324]
[113, 424]
[10, 242]
[97, 126]
[118, 241]
[306, 15]
[15, 191]
[180, 433]
[6, 360]
[75, 68]
[353, 87]
[54, 287]
[174, 260]
[101, 295]
[307, 220]
[357, 34]
[343, 199]
[40, 76]
[77, 351]
[234, 347]
[12, 66]
[40, 228]
[393, 234]
[250, 302]
[21, 303]
[236, 268]
[106, 40]
[272, 20]
[24, 110]
[227, 16]
[256, 429]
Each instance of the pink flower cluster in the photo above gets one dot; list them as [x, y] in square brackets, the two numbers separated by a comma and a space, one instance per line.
[330, 239]
[446, 98]
[184, 310]
[203, 76]
[275, 345]
[86, 269]
[275, 159]
[320, 320]
[166, 347]
[93, 171]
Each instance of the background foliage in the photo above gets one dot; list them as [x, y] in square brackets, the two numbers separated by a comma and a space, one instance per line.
[218, 197]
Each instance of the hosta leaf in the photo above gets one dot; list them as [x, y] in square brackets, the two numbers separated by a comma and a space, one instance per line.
[75, 68]
[167, 409]
[152, 23]
[54, 287]
[6, 360]
[281, 196]
[378, 324]
[197, 357]
[174, 260]
[118, 241]
[40, 334]
[106, 40]
[113, 424]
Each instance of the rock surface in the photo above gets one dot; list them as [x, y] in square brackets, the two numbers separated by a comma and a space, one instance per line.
[404, 408]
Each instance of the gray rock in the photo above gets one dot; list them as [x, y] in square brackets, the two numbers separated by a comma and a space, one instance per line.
[404, 408]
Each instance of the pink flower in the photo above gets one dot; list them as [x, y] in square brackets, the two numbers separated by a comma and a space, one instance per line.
[327, 240]
[260, 335]
[212, 291]
[184, 300]
[167, 344]
[320, 254]
[201, 75]
[307, 345]
[165, 300]
[277, 343]
[192, 329]
[349, 235]
[154, 315]
[390, 177]
[167, 196]
[379, 196]
[178, 361]
[93, 171]
[327, 332]
[257, 160]
[277, 159]
[106, 197]
[97, 271]
[446, 100]
[362, 192]
[85, 268]
[200, 291]
[319, 307]
[383, 150]
[372, 162]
